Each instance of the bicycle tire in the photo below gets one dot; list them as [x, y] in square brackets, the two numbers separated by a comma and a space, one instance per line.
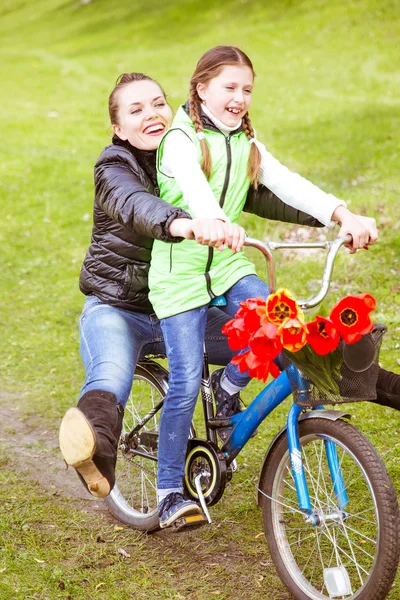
[297, 548]
[129, 501]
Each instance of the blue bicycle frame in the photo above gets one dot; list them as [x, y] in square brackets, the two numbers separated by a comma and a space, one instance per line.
[247, 421]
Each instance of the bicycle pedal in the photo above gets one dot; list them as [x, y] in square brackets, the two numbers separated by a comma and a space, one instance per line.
[191, 521]
[234, 466]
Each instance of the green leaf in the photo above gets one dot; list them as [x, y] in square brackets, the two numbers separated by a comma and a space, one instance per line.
[322, 371]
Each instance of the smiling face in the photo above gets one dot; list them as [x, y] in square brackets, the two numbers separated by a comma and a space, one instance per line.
[143, 114]
[228, 95]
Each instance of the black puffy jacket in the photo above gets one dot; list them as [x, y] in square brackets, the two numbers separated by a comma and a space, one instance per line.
[127, 217]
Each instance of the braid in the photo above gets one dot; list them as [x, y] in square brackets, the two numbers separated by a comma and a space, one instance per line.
[194, 111]
[255, 155]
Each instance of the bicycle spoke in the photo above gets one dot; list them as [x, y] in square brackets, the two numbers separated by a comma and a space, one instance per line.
[351, 558]
[312, 555]
[135, 495]
[311, 478]
[294, 502]
[296, 510]
[292, 487]
[347, 526]
[323, 452]
[319, 551]
[150, 482]
[355, 516]
[298, 541]
[142, 488]
[359, 548]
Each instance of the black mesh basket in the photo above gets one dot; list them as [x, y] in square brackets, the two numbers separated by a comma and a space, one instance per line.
[359, 373]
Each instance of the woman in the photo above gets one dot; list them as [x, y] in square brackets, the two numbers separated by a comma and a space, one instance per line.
[117, 325]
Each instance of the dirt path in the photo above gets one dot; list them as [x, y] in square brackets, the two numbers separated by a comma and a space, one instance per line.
[34, 451]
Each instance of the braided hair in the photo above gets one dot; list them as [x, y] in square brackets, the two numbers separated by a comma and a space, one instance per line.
[255, 155]
[194, 111]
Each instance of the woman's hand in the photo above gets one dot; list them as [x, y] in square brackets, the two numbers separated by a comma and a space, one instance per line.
[210, 232]
[362, 229]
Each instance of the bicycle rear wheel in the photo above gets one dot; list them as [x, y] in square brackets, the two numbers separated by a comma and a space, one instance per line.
[357, 547]
[133, 499]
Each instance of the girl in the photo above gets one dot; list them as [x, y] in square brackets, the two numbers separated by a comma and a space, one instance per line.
[212, 139]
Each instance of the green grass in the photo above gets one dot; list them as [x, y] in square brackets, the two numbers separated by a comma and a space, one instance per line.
[325, 103]
[78, 554]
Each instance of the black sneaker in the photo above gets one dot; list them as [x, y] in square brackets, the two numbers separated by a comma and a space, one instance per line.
[174, 506]
[226, 405]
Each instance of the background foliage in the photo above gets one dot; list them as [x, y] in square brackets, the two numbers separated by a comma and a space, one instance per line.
[326, 103]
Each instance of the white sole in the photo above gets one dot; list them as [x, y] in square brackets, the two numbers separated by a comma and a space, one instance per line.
[78, 445]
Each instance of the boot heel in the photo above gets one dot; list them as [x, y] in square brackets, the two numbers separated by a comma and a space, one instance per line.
[78, 445]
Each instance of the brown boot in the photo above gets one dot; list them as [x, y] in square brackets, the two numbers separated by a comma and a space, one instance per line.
[388, 389]
[89, 438]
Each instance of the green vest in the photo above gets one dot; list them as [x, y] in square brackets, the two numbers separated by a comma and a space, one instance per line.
[187, 275]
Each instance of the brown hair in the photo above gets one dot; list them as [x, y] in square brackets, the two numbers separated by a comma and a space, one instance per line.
[122, 81]
[209, 66]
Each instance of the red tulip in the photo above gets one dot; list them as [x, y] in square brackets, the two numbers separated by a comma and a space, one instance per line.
[256, 367]
[322, 336]
[351, 316]
[265, 343]
[281, 306]
[238, 334]
[248, 312]
[369, 300]
[293, 334]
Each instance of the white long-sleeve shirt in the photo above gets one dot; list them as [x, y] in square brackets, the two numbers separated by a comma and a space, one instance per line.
[181, 162]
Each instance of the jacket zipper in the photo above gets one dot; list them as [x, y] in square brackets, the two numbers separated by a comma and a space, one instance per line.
[221, 203]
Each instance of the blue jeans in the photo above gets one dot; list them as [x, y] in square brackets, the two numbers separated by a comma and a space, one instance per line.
[184, 336]
[112, 340]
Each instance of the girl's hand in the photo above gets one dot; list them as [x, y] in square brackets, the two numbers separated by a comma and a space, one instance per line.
[208, 232]
[219, 234]
[362, 229]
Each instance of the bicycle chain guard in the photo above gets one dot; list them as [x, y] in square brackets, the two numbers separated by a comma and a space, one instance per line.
[204, 456]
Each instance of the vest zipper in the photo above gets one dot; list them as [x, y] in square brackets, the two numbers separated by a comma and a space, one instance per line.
[221, 203]
[207, 274]
[228, 170]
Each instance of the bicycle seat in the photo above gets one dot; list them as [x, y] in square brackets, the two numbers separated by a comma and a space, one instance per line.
[218, 301]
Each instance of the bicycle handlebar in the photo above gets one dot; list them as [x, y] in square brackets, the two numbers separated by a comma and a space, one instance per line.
[267, 249]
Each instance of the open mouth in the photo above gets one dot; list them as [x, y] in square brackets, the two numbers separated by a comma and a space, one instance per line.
[154, 129]
[234, 111]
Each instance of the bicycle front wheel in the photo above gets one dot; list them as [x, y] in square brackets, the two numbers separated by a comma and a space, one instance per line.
[353, 552]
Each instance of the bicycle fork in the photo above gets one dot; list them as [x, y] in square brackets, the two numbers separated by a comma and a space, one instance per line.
[298, 470]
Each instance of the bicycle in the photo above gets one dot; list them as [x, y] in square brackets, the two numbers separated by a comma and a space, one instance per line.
[329, 508]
